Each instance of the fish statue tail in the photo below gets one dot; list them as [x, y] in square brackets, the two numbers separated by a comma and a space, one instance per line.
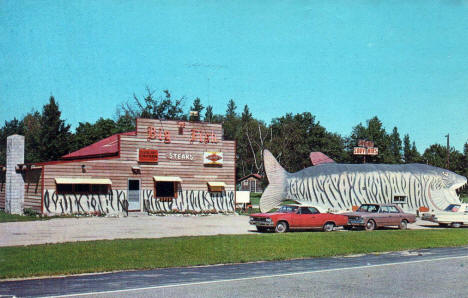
[275, 191]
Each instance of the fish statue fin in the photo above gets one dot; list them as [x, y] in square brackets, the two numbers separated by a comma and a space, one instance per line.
[319, 158]
[274, 192]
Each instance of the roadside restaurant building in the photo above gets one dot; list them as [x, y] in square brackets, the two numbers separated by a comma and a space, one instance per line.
[164, 166]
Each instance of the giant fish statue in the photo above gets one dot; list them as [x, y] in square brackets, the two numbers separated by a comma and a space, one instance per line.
[335, 186]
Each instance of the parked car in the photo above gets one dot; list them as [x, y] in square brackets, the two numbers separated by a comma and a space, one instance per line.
[292, 217]
[455, 215]
[372, 216]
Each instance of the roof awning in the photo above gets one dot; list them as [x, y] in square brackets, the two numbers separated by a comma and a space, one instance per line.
[83, 181]
[216, 184]
[167, 179]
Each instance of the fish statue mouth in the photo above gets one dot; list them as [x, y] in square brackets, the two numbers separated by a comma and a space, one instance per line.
[340, 187]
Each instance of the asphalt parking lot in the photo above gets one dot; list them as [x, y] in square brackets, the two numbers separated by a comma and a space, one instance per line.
[134, 226]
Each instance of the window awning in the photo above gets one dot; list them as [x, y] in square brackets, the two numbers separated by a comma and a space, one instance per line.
[83, 181]
[167, 179]
[216, 184]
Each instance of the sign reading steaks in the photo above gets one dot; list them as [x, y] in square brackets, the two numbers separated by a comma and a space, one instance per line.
[147, 155]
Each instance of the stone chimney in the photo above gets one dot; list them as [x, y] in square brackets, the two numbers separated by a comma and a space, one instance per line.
[14, 191]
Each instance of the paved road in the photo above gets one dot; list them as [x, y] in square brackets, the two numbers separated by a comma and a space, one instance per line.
[423, 273]
[141, 226]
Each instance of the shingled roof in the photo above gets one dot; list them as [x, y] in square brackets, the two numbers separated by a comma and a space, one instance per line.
[103, 148]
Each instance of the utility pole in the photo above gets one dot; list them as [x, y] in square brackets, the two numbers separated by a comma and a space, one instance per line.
[448, 150]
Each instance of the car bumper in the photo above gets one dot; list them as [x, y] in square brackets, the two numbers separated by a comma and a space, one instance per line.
[262, 223]
[356, 224]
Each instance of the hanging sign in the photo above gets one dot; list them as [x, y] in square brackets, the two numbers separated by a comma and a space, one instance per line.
[147, 155]
[213, 158]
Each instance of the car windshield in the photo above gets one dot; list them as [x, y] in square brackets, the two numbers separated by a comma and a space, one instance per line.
[287, 209]
[452, 208]
[368, 208]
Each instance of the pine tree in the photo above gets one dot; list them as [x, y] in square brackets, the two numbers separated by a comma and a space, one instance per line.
[231, 121]
[55, 136]
[395, 145]
[246, 115]
[209, 114]
[197, 107]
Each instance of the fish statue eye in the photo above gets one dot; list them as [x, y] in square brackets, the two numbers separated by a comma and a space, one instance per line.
[445, 174]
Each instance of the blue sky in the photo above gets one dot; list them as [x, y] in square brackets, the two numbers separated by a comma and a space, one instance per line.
[343, 61]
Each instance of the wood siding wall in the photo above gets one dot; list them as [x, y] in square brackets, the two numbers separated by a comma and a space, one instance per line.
[193, 173]
[33, 189]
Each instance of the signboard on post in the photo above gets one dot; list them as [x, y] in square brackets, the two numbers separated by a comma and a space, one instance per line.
[364, 148]
[373, 151]
[359, 151]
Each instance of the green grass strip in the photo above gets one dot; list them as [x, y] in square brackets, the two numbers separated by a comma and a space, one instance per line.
[110, 255]
[6, 217]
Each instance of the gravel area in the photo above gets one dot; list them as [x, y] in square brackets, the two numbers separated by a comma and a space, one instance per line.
[133, 226]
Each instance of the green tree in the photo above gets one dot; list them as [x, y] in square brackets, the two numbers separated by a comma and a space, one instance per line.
[395, 146]
[375, 132]
[436, 155]
[161, 108]
[295, 136]
[32, 130]
[209, 114]
[410, 153]
[197, 107]
[55, 136]
[231, 121]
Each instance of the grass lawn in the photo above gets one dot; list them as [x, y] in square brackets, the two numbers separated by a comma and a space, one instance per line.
[464, 198]
[109, 255]
[6, 217]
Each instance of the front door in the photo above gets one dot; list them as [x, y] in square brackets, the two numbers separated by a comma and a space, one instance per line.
[134, 195]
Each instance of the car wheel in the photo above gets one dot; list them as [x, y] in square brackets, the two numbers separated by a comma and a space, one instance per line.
[403, 224]
[328, 227]
[281, 227]
[370, 225]
[456, 224]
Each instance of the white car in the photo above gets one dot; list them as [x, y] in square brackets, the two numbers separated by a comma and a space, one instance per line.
[455, 215]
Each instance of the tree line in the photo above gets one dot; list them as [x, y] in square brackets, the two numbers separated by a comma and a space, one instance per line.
[290, 137]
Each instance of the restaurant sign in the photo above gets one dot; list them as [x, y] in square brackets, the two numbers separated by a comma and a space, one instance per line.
[147, 155]
[180, 156]
[213, 158]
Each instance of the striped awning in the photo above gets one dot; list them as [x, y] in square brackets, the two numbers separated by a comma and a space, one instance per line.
[167, 179]
[216, 184]
[102, 181]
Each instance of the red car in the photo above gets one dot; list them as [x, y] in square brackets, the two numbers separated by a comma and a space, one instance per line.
[297, 217]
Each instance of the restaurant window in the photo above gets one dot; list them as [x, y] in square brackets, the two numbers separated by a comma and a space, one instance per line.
[82, 185]
[166, 189]
[82, 188]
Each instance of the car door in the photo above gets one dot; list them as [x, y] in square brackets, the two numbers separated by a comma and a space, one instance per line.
[465, 215]
[308, 217]
[383, 217]
[395, 216]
